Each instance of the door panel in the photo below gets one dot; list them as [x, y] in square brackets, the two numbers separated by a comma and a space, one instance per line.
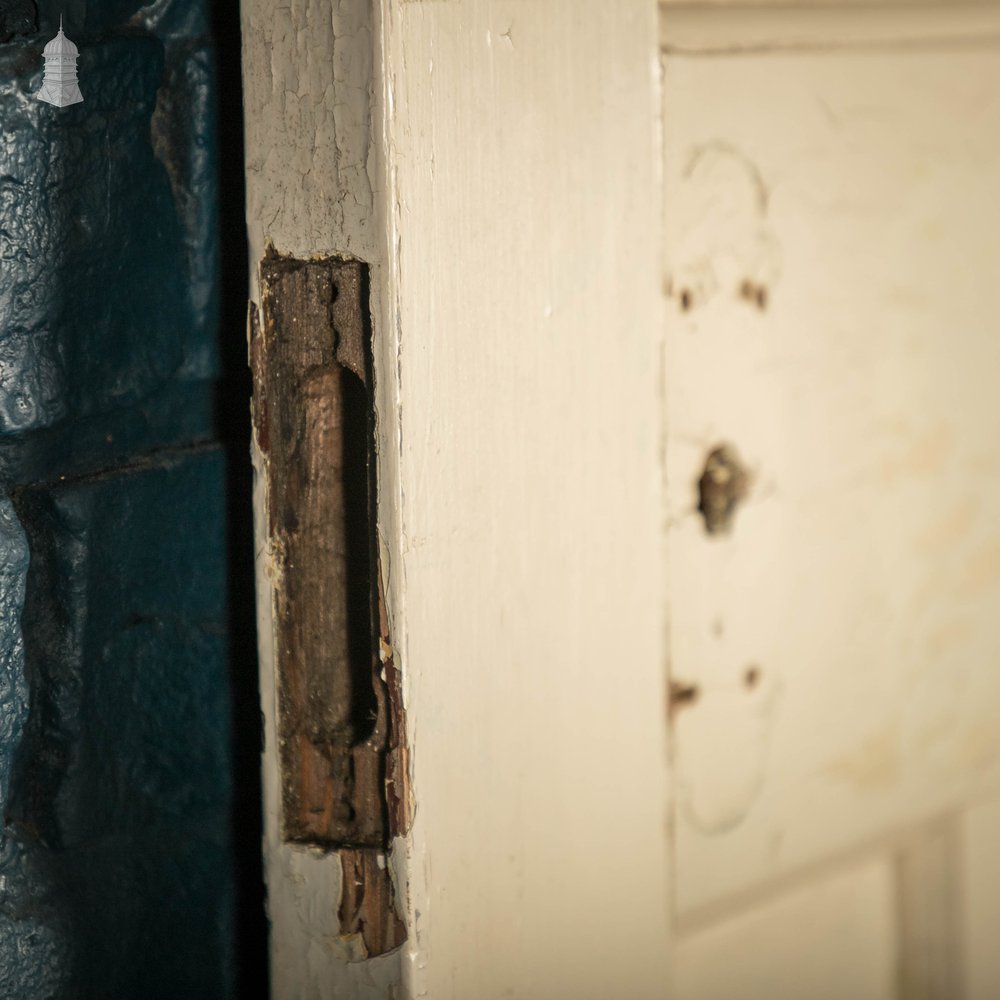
[831, 256]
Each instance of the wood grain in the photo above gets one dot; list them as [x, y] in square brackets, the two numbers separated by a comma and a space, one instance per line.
[313, 421]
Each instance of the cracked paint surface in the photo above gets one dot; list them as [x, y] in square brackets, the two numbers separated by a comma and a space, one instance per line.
[312, 169]
[309, 143]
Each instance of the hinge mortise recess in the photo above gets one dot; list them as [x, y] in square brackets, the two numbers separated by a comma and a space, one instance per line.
[340, 729]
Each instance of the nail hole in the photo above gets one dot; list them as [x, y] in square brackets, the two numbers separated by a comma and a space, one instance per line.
[681, 695]
[724, 483]
[753, 293]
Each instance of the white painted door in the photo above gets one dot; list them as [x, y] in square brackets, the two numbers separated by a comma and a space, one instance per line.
[497, 166]
[831, 252]
[605, 241]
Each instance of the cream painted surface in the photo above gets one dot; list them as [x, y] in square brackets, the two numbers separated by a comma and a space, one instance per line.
[980, 882]
[907, 8]
[817, 25]
[501, 175]
[829, 940]
[315, 174]
[525, 171]
[930, 926]
[842, 636]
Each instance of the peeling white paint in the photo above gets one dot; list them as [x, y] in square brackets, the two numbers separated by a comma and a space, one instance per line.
[308, 68]
[313, 169]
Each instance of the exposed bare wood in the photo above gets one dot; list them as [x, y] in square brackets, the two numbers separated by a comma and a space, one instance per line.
[367, 901]
[312, 413]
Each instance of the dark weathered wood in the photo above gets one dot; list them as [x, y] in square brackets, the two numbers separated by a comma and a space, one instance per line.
[368, 902]
[340, 716]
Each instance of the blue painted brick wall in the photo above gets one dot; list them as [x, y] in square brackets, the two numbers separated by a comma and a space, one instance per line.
[116, 868]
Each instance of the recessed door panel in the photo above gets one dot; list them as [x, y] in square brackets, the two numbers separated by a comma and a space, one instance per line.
[831, 260]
